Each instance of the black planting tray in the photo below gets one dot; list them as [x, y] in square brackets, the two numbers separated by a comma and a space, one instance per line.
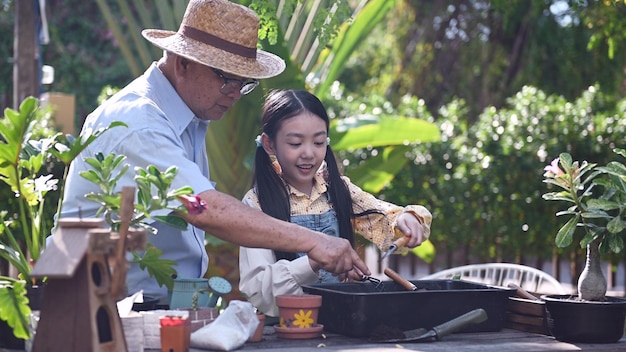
[355, 309]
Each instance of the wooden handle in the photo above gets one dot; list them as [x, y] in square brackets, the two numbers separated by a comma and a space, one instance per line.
[402, 241]
[520, 292]
[118, 281]
[399, 279]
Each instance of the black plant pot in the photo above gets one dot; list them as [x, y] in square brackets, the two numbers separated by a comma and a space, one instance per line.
[7, 339]
[571, 320]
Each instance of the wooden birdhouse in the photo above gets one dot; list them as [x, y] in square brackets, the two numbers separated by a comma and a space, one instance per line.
[79, 310]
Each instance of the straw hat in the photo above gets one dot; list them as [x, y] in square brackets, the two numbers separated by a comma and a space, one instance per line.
[219, 34]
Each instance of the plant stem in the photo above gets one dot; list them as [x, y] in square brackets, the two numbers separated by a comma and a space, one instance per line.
[60, 202]
[577, 201]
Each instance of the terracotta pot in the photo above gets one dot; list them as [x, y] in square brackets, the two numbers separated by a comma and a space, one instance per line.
[298, 311]
[572, 320]
[258, 333]
[299, 333]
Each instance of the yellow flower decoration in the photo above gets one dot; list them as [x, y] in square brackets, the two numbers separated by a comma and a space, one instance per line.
[282, 323]
[303, 320]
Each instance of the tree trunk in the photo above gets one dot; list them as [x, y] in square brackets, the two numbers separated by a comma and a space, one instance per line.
[26, 62]
[592, 283]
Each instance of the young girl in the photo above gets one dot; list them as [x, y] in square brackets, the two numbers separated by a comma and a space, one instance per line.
[296, 178]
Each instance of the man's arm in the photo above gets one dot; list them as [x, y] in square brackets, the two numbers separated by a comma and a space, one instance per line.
[229, 219]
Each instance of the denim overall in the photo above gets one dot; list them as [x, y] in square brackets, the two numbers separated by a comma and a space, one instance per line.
[326, 223]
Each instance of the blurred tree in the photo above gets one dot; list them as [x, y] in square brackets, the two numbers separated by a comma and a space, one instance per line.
[485, 51]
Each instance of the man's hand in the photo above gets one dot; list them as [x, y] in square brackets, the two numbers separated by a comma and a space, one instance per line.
[335, 255]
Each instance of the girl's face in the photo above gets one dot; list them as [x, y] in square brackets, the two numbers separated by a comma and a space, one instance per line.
[300, 148]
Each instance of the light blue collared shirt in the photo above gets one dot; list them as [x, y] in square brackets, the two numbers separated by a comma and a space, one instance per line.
[162, 131]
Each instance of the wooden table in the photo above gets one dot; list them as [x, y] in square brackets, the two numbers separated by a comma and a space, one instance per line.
[507, 340]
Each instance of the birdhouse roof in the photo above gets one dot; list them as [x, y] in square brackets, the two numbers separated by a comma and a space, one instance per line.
[66, 248]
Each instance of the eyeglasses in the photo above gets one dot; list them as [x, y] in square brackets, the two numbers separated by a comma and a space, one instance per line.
[232, 84]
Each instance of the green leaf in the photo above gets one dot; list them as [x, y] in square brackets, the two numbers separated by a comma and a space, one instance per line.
[79, 144]
[620, 151]
[160, 269]
[382, 132]
[426, 251]
[172, 220]
[615, 168]
[14, 257]
[348, 40]
[565, 234]
[91, 176]
[616, 225]
[379, 170]
[180, 192]
[14, 307]
[616, 244]
[565, 159]
[563, 195]
[602, 204]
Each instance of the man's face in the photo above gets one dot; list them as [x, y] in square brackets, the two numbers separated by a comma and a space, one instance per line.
[200, 87]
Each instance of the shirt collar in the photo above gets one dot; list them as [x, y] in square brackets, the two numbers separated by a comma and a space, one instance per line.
[168, 100]
[320, 185]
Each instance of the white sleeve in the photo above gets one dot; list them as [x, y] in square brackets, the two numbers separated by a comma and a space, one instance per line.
[262, 278]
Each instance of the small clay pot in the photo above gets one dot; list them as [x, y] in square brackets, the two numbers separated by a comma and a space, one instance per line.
[298, 311]
[258, 333]
[299, 333]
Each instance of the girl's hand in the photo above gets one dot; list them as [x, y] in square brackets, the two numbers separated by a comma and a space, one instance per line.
[408, 224]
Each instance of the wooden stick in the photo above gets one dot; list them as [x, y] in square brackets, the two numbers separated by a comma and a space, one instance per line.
[399, 279]
[118, 280]
[520, 292]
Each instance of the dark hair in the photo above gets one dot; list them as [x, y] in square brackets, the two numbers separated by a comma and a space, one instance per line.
[273, 196]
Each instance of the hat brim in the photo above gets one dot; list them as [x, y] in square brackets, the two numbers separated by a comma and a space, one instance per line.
[265, 65]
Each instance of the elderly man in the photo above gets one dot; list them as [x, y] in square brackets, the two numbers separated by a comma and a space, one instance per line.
[208, 64]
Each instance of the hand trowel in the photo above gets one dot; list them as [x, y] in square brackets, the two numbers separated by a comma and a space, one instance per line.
[472, 317]
[398, 243]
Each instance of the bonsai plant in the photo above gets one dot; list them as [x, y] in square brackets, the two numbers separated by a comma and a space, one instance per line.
[597, 202]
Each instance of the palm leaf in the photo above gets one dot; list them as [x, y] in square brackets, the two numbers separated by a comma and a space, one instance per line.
[333, 61]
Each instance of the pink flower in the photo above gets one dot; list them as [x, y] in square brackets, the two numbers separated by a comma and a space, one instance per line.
[194, 204]
[553, 168]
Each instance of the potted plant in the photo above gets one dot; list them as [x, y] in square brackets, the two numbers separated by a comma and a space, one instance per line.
[200, 315]
[596, 197]
[25, 167]
[22, 161]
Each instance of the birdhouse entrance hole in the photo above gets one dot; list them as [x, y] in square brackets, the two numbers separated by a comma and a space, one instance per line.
[104, 325]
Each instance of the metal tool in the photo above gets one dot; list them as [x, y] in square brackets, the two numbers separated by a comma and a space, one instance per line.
[438, 332]
[400, 242]
[377, 283]
[399, 279]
